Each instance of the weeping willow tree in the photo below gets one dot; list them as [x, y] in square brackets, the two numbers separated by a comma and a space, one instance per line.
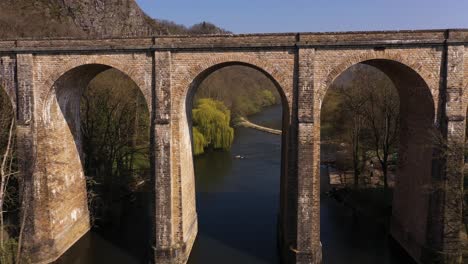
[199, 142]
[211, 126]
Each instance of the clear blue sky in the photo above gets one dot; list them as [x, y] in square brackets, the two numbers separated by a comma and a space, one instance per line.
[258, 16]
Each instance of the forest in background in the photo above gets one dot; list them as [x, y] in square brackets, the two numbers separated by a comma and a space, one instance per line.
[243, 90]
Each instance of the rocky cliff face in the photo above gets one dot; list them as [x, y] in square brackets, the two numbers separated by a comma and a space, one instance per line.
[110, 17]
[85, 18]
[23, 18]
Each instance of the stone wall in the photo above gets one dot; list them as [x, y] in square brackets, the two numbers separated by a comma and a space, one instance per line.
[465, 93]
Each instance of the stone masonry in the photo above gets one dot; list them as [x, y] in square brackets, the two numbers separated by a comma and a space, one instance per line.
[45, 80]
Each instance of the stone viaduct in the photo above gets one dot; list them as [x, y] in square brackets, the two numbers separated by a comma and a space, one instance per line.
[45, 78]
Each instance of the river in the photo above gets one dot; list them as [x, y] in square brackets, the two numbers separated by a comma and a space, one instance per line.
[237, 203]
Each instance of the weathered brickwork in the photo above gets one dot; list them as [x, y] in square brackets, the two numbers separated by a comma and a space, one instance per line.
[465, 67]
[330, 63]
[449, 241]
[45, 80]
[24, 86]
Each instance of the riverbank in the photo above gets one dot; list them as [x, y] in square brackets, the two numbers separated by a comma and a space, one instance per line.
[243, 122]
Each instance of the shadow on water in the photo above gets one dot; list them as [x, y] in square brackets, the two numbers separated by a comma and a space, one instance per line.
[126, 239]
[347, 238]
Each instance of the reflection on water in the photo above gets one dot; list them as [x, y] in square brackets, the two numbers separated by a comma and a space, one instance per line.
[237, 203]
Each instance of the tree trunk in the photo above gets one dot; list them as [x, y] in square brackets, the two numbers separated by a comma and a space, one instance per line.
[356, 164]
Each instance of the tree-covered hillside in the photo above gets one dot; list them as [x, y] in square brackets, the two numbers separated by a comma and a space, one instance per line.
[242, 89]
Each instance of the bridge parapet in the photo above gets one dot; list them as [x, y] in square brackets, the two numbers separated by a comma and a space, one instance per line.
[242, 41]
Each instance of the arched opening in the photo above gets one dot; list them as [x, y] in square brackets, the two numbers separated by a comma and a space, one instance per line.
[98, 125]
[10, 202]
[237, 189]
[377, 126]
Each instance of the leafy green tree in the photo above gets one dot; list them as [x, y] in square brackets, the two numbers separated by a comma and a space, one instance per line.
[199, 142]
[211, 125]
[268, 97]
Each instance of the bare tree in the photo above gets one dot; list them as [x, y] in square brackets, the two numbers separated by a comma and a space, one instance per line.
[6, 173]
[353, 101]
[115, 130]
[382, 116]
[363, 110]
[10, 192]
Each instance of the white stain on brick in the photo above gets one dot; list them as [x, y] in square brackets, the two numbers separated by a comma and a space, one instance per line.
[74, 214]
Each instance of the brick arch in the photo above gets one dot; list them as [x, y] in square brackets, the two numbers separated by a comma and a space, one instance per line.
[431, 81]
[186, 77]
[199, 72]
[60, 147]
[418, 92]
[110, 62]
